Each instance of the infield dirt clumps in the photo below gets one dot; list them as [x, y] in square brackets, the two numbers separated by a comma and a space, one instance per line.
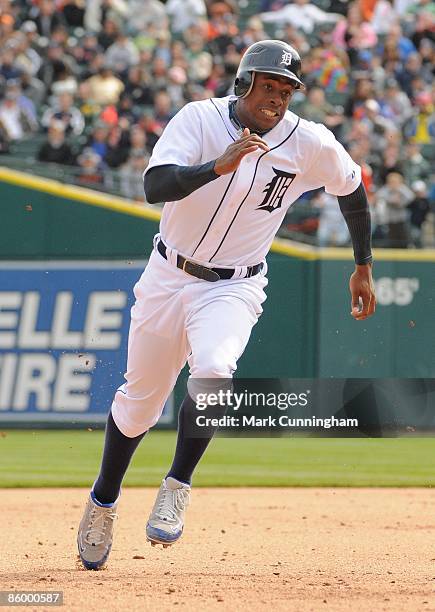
[243, 549]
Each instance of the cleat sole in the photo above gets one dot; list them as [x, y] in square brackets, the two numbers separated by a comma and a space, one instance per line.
[164, 544]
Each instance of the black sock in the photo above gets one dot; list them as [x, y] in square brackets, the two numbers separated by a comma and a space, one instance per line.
[188, 451]
[118, 451]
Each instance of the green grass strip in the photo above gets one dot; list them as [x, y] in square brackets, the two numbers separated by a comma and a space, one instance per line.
[72, 458]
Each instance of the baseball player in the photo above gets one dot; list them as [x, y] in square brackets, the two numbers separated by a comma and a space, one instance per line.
[227, 169]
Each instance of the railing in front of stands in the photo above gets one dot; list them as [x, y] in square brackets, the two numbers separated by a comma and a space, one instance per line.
[300, 223]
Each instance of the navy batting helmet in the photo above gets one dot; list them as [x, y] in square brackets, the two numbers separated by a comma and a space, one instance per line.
[271, 56]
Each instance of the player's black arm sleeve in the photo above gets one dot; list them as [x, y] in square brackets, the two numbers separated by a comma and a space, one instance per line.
[170, 183]
[355, 209]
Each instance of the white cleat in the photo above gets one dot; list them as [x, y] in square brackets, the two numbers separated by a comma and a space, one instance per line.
[95, 536]
[166, 521]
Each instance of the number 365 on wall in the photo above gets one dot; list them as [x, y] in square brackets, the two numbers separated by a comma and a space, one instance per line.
[399, 291]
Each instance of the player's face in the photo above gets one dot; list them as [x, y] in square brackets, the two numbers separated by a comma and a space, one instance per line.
[267, 102]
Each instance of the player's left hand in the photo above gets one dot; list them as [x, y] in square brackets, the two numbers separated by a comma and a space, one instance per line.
[362, 290]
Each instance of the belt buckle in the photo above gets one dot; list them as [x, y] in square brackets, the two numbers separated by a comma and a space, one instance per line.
[199, 271]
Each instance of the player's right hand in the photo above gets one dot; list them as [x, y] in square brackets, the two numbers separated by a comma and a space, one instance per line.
[235, 152]
[362, 290]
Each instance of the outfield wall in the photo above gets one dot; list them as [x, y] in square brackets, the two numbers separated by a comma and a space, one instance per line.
[305, 331]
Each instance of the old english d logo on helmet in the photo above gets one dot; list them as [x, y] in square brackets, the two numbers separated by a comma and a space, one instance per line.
[271, 56]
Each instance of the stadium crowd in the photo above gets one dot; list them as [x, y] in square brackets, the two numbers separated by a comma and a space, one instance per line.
[94, 82]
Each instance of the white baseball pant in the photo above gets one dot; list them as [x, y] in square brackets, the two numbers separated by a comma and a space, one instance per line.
[177, 317]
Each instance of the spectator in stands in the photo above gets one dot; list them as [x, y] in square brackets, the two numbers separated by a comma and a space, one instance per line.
[184, 13]
[362, 92]
[254, 32]
[93, 67]
[391, 161]
[151, 127]
[217, 77]
[97, 141]
[87, 49]
[395, 104]
[395, 197]
[323, 67]
[404, 45]
[318, 109]
[125, 111]
[162, 48]
[159, 71]
[302, 15]
[175, 89]
[200, 61]
[26, 104]
[55, 149]
[354, 33]
[26, 58]
[73, 12]
[390, 58]
[408, 73]
[7, 25]
[30, 31]
[97, 11]
[426, 50]
[296, 38]
[380, 125]
[122, 54]
[58, 67]
[138, 86]
[109, 33]
[178, 54]
[131, 176]
[47, 18]
[109, 116]
[91, 171]
[419, 209]
[383, 15]
[138, 142]
[8, 68]
[402, 6]
[65, 111]
[222, 24]
[33, 88]
[60, 35]
[117, 147]
[16, 119]
[194, 93]
[142, 13]
[370, 63]
[89, 109]
[163, 111]
[420, 128]
[423, 27]
[105, 87]
[332, 229]
[415, 166]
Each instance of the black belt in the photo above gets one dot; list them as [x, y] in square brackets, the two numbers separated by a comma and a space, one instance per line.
[209, 274]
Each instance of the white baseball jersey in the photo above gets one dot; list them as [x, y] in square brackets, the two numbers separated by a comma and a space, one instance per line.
[233, 219]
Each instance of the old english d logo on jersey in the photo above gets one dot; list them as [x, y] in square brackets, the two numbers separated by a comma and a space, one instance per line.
[276, 190]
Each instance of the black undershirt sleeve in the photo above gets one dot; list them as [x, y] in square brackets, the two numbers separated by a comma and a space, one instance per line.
[171, 182]
[355, 209]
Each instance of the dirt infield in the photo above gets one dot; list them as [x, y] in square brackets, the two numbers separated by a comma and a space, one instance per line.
[244, 549]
